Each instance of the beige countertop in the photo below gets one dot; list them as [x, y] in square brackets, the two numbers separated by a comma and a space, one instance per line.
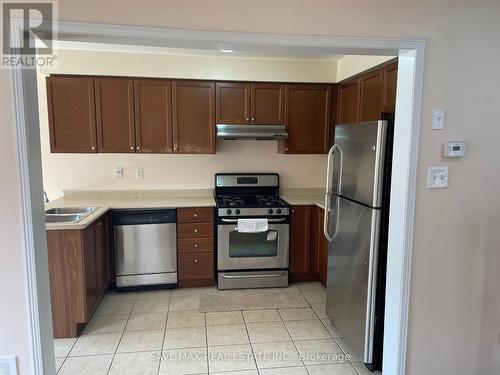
[107, 200]
[304, 197]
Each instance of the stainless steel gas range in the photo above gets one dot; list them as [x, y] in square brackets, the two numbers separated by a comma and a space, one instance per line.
[260, 257]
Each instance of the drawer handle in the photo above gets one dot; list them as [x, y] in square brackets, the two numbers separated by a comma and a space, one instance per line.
[195, 245]
[195, 215]
[195, 230]
[196, 260]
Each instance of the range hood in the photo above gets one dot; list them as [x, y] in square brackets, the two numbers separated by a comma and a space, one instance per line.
[260, 132]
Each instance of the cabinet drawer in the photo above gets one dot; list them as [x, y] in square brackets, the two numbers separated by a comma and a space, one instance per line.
[196, 266]
[195, 245]
[195, 215]
[195, 230]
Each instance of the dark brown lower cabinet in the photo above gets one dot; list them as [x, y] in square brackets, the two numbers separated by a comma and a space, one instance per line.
[195, 247]
[308, 245]
[79, 268]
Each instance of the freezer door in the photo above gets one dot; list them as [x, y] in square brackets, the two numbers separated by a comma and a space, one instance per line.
[352, 270]
[362, 146]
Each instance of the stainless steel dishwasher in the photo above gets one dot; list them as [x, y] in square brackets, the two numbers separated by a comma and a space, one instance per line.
[145, 247]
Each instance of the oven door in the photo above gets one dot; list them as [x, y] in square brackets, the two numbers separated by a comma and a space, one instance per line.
[248, 251]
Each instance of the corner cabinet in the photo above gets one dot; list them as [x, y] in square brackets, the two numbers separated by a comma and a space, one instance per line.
[307, 119]
[193, 117]
[366, 96]
[71, 111]
[79, 271]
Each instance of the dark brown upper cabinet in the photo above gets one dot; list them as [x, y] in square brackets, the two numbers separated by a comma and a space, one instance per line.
[349, 102]
[242, 103]
[366, 96]
[153, 116]
[267, 104]
[370, 95]
[115, 114]
[390, 83]
[232, 103]
[307, 119]
[193, 117]
[71, 110]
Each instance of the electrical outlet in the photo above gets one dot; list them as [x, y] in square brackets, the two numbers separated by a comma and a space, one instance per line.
[118, 172]
[437, 177]
[139, 173]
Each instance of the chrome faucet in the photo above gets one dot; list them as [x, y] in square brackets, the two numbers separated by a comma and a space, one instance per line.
[45, 197]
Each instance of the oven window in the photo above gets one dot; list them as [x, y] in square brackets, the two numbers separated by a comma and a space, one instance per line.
[249, 245]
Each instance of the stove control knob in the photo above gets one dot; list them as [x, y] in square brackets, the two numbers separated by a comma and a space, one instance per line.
[237, 211]
[278, 211]
[229, 212]
[270, 211]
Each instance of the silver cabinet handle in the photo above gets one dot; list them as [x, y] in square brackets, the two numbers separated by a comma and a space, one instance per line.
[252, 276]
[196, 260]
[195, 230]
[269, 220]
[195, 215]
[195, 245]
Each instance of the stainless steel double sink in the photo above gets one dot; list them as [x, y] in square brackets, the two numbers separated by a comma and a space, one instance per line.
[67, 214]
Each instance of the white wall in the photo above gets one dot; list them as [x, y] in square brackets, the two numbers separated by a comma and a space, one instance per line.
[353, 64]
[14, 313]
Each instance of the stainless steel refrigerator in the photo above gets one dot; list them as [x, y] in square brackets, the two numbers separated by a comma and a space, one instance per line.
[355, 224]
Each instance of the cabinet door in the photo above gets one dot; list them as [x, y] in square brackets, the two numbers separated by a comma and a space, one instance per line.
[322, 247]
[193, 109]
[267, 104]
[349, 102]
[307, 119]
[153, 116]
[71, 110]
[370, 102]
[390, 84]
[232, 103]
[115, 114]
[102, 255]
[90, 270]
[300, 243]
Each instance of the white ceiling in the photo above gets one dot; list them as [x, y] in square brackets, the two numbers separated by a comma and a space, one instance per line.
[275, 53]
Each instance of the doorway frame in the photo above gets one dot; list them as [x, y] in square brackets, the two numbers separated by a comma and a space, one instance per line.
[403, 188]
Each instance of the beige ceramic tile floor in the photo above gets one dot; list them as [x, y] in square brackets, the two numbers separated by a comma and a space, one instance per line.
[180, 332]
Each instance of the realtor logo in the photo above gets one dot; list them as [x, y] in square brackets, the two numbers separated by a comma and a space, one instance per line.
[27, 33]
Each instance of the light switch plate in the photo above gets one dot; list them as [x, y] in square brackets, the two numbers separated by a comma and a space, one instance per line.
[8, 365]
[437, 177]
[438, 116]
[118, 172]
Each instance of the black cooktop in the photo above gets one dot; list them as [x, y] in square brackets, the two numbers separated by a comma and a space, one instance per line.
[250, 201]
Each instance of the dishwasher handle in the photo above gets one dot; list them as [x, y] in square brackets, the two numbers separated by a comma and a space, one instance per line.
[140, 217]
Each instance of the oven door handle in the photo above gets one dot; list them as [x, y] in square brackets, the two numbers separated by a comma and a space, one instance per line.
[252, 276]
[269, 220]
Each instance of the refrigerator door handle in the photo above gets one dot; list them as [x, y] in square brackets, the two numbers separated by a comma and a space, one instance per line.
[328, 192]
